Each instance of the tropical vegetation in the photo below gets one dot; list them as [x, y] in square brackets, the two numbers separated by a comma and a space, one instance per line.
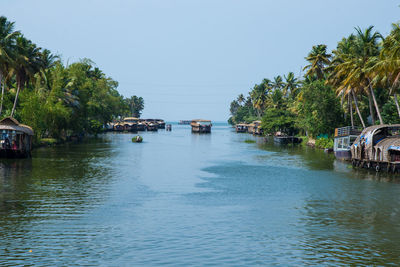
[355, 84]
[56, 100]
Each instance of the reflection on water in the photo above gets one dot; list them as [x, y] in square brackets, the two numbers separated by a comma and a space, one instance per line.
[188, 199]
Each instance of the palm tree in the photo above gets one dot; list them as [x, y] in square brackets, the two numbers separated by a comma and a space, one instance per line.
[291, 85]
[318, 59]
[25, 65]
[386, 67]
[259, 97]
[241, 99]
[7, 41]
[277, 83]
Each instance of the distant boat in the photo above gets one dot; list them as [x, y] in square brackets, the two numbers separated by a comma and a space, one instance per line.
[185, 122]
[201, 126]
[241, 128]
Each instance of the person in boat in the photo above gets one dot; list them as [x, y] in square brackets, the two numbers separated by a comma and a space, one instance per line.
[14, 145]
[7, 143]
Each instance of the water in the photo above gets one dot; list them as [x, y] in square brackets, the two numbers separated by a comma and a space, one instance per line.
[183, 199]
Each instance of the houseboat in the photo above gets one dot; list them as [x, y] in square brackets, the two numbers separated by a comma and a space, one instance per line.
[378, 147]
[151, 126]
[241, 128]
[141, 125]
[119, 127]
[344, 138]
[161, 123]
[130, 124]
[15, 139]
[201, 126]
[255, 128]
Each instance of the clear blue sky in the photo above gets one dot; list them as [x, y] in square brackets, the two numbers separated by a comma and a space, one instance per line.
[190, 59]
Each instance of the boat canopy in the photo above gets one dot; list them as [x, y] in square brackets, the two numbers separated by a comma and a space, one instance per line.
[11, 124]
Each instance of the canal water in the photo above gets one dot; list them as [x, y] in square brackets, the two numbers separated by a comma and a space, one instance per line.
[185, 199]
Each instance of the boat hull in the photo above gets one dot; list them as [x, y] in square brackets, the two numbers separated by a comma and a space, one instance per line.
[343, 154]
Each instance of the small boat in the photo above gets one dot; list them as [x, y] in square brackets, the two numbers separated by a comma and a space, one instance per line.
[201, 126]
[169, 127]
[344, 138]
[241, 128]
[137, 139]
[184, 122]
[15, 139]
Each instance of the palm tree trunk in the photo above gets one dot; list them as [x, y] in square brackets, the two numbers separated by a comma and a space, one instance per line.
[16, 99]
[2, 93]
[350, 110]
[376, 104]
[395, 101]
[358, 110]
[371, 110]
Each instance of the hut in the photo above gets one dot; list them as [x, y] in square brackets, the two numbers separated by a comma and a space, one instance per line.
[241, 128]
[15, 139]
[201, 126]
[378, 147]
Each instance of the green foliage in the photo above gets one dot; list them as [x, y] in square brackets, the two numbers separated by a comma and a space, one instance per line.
[249, 141]
[57, 101]
[389, 113]
[324, 143]
[318, 108]
[278, 119]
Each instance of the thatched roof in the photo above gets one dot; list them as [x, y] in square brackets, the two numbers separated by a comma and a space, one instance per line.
[130, 119]
[13, 125]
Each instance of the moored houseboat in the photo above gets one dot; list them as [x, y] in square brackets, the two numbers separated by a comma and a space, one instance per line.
[130, 124]
[161, 123]
[241, 128]
[15, 139]
[119, 127]
[344, 138]
[201, 126]
[378, 147]
[151, 126]
[257, 128]
[141, 125]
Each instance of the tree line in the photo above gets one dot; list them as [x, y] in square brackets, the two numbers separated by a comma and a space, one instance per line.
[355, 84]
[55, 99]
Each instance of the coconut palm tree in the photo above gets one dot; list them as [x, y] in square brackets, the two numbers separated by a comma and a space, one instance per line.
[25, 65]
[241, 99]
[291, 85]
[318, 59]
[7, 41]
[277, 83]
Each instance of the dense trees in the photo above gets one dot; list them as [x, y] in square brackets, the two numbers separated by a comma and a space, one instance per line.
[56, 100]
[361, 76]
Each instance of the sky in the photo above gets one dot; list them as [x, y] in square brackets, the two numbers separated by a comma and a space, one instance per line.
[190, 58]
